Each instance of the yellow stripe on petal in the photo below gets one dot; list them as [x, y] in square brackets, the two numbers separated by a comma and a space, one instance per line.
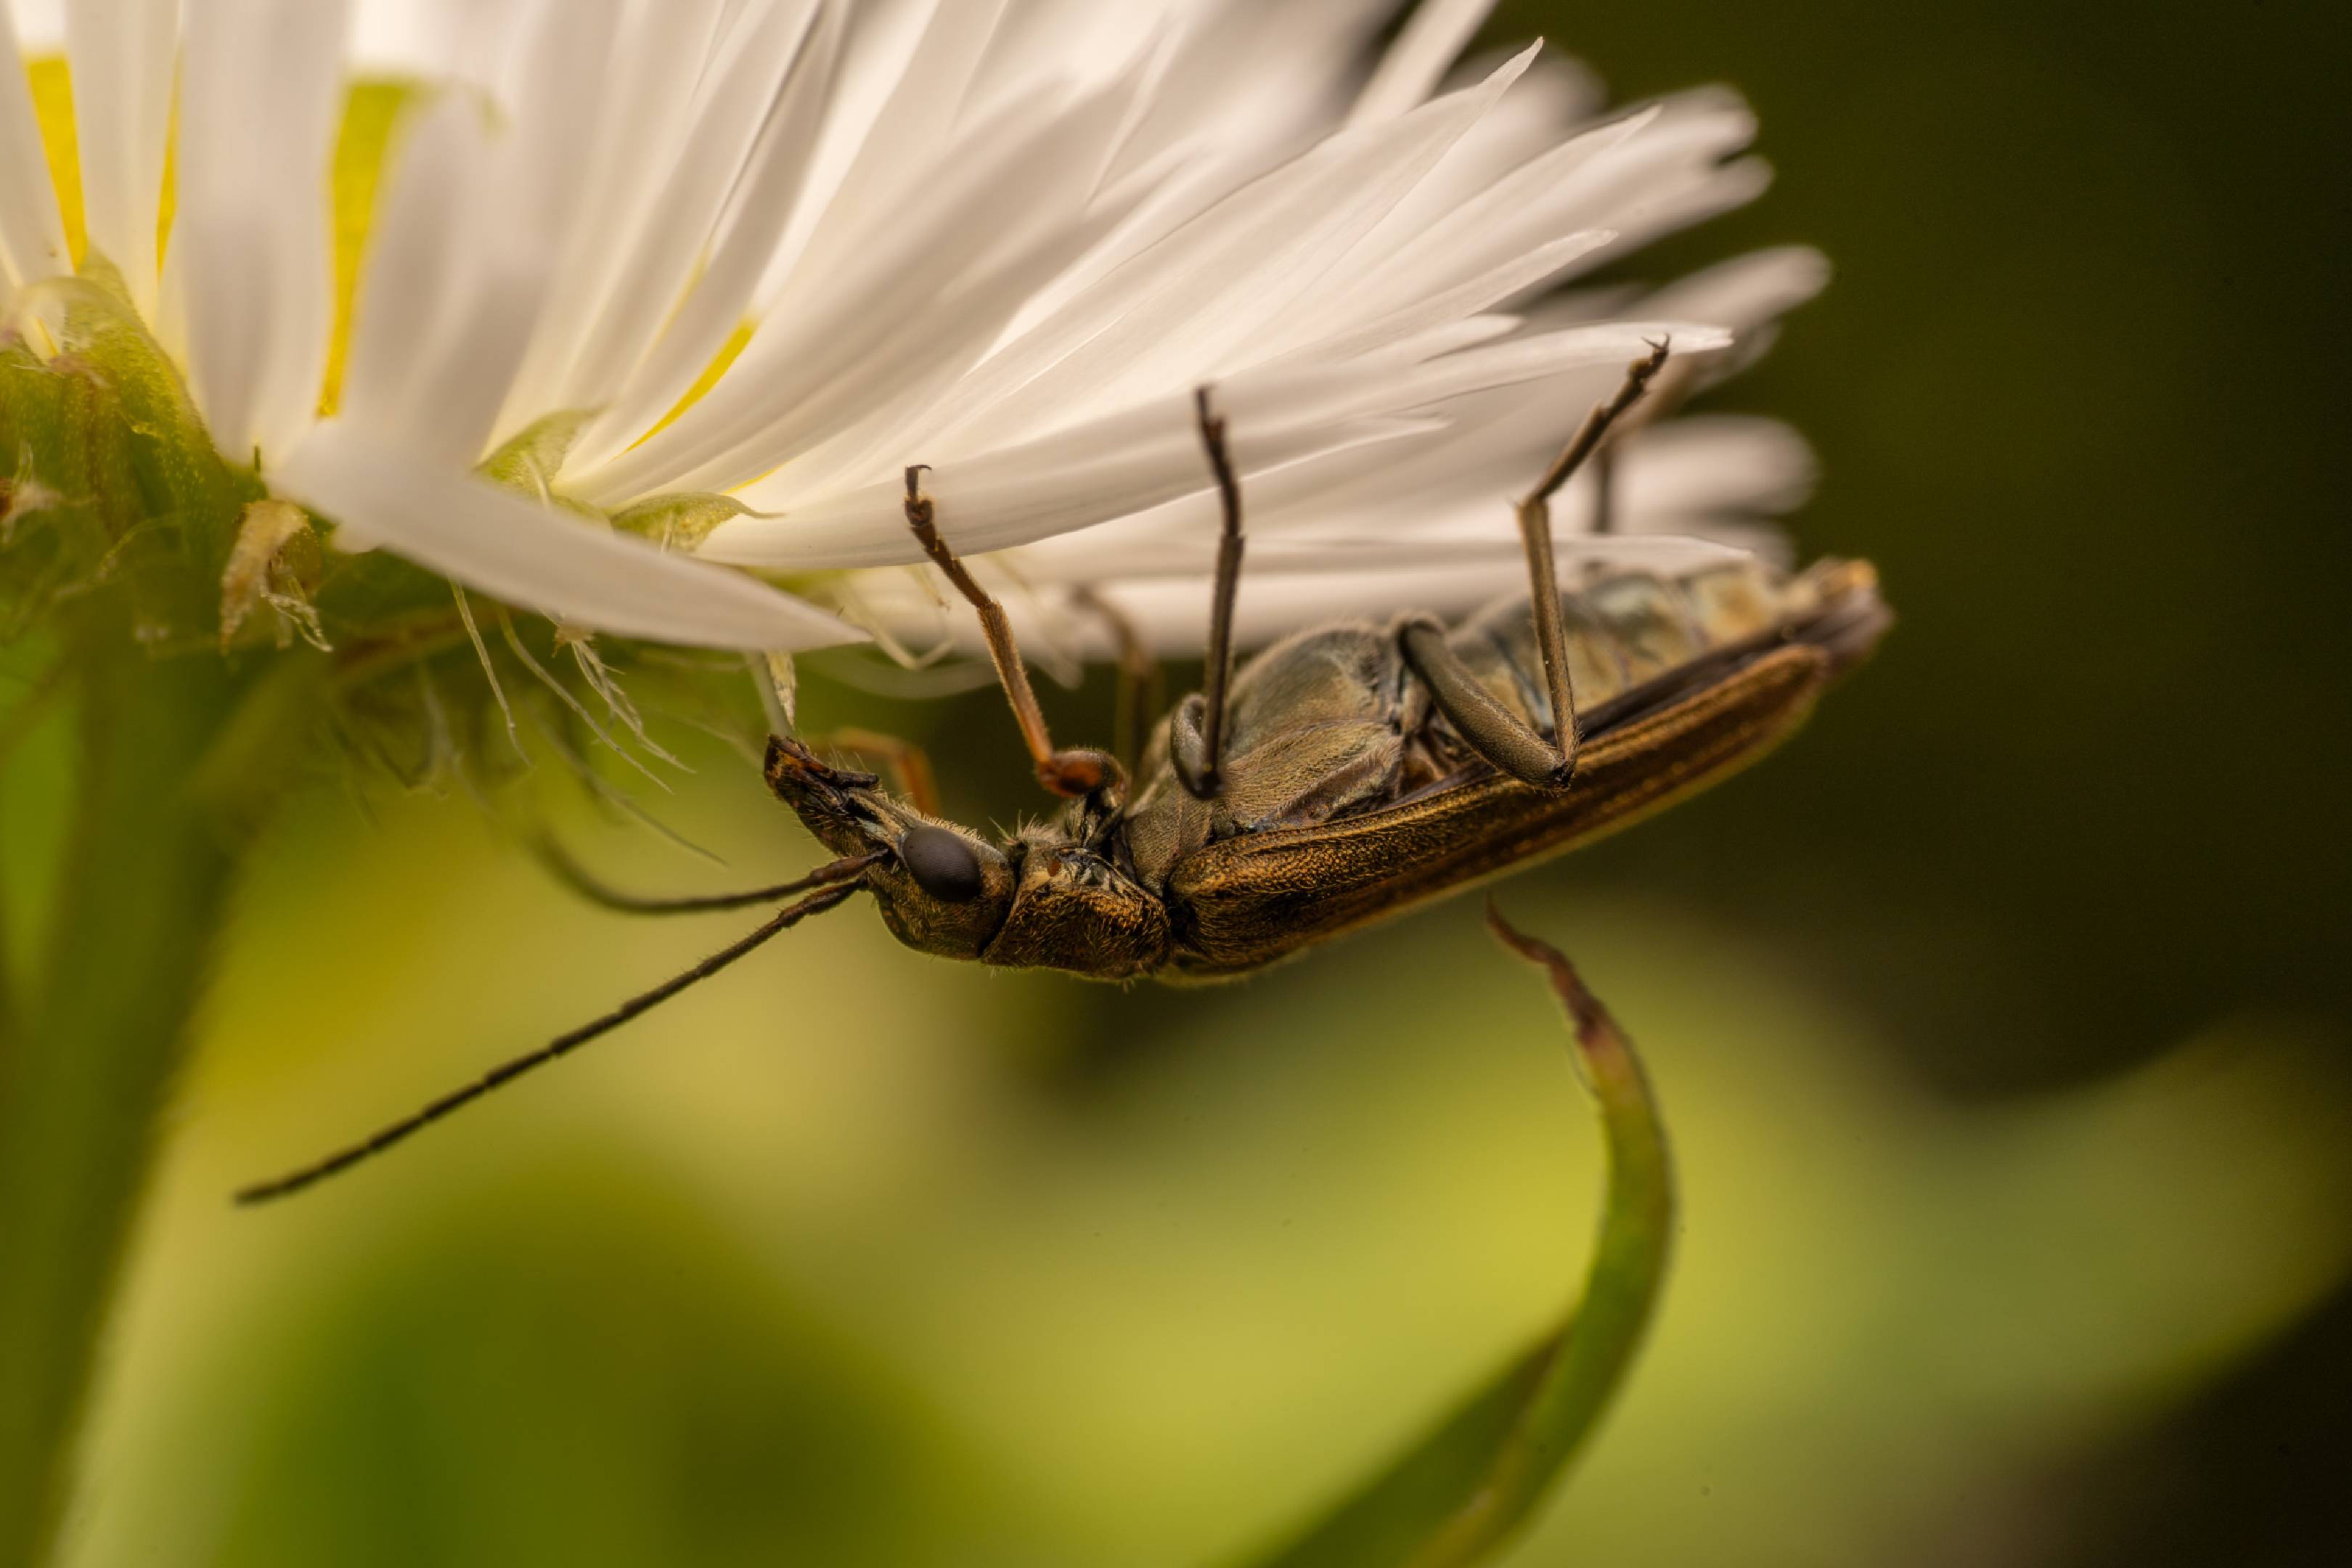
[167, 201]
[362, 146]
[53, 102]
[729, 352]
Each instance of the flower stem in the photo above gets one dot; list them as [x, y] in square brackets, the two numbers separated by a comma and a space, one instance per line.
[85, 1074]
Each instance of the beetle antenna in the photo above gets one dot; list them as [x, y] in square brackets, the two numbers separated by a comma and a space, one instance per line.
[580, 880]
[791, 915]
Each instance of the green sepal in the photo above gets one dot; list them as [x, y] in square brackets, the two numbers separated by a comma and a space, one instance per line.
[680, 520]
[101, 273]
[75, 518]
[181, 479]
[530, 461]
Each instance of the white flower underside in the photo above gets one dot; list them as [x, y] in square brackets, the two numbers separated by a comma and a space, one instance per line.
[1006, 238]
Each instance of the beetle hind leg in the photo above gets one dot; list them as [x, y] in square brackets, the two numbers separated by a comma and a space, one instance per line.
[1499, 736]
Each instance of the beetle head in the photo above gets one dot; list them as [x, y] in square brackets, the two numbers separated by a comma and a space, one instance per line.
[941, 889]
[1045, 900]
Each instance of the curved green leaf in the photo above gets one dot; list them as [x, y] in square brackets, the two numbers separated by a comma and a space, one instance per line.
[1469, 1487]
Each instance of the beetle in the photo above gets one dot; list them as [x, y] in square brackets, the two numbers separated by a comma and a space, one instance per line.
[1350, 772]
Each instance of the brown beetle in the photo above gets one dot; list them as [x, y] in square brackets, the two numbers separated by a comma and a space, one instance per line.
[1350, 773]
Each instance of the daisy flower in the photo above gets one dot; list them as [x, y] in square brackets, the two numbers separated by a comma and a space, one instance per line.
[327, 319]
[632, 312]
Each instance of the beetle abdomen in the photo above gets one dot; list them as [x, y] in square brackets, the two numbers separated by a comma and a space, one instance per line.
[1628, 627]
[1330, 723]
[1245, 901]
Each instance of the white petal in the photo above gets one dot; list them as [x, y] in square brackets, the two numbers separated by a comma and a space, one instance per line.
[1496, 440]
[1689, 476]
[124, 54]
[748, 72]
[729, 436]
[1504, 281]
[1062, 483]
[907, 135]
[261, 91]
[40, 25]
[1602, 179]
[1139, 459]
[1551, 100]
[1418, 61]
[1178, 314]
[408, 291]
[32, 234]
[714, 308]
[1171, 612]
[412, 38]
[878, 37]
[545, 560]
[1747, 291]
[1258, 78]
[452, 288]
[1514, 361]
[856, 429]
[606, 127]
[1442, 583]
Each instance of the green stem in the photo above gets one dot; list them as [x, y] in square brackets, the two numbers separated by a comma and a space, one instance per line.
[84, 1078]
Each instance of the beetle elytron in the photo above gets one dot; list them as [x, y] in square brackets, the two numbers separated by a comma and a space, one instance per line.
[1350, 773]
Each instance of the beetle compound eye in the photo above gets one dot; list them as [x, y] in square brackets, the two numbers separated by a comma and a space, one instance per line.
[942, 864]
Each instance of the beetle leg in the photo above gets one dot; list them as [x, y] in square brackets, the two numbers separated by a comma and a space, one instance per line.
[910, 765]
[1498, 735]
[1604, 490]
[1139, 678]
[1196, 767]
[1074, 774]
[1543, 572]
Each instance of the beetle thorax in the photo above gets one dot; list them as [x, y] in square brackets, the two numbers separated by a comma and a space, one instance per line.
[1074, 907]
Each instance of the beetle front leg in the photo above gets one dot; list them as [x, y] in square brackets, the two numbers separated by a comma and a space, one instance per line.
[1074, 774]
[1140, 685]
[909, 764]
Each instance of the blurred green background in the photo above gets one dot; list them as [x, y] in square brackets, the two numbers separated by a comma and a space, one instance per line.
[2002, 1022]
